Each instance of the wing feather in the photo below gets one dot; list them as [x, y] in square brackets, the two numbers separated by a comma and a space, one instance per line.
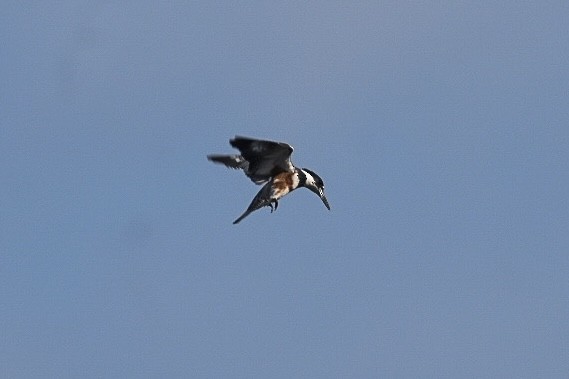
[266, 158]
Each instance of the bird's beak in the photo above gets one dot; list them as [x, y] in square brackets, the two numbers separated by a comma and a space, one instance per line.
[324, 200]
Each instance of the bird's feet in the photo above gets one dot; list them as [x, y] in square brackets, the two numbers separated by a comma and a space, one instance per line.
[271, 205]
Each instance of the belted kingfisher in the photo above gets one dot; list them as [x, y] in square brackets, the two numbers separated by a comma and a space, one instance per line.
[269, 162]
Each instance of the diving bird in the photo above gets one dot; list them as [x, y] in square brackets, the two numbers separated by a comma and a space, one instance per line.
[269, 162]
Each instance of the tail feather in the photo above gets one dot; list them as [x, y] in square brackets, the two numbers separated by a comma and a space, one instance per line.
[245, 214]
[261, 200]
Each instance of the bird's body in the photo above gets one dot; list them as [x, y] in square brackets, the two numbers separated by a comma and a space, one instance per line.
[269, 162]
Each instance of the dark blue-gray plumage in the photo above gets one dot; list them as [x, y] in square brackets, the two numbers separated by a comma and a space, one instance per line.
[269, 162]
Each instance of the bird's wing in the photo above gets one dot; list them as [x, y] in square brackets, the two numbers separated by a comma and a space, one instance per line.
[231, 161]
[266, 158]
[237, 162]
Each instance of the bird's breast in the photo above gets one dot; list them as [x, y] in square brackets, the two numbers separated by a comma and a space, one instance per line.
[283, 183]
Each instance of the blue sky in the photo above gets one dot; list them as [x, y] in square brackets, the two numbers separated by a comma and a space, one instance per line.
[440, 130]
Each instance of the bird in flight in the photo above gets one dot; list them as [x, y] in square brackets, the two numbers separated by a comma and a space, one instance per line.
[269, 162]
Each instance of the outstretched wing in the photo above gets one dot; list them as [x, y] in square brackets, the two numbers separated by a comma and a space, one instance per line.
[231, 161]
[237, 162]
[266, 158]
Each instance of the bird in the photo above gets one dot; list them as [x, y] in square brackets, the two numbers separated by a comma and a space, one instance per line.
[268, 162]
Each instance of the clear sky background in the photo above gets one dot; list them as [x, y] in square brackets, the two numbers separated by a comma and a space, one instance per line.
[440, 128]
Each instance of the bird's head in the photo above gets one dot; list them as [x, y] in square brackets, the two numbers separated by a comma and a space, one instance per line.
[315, 184]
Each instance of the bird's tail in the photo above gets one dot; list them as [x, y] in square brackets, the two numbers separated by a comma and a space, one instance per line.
[261, 200]
[245, 214]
